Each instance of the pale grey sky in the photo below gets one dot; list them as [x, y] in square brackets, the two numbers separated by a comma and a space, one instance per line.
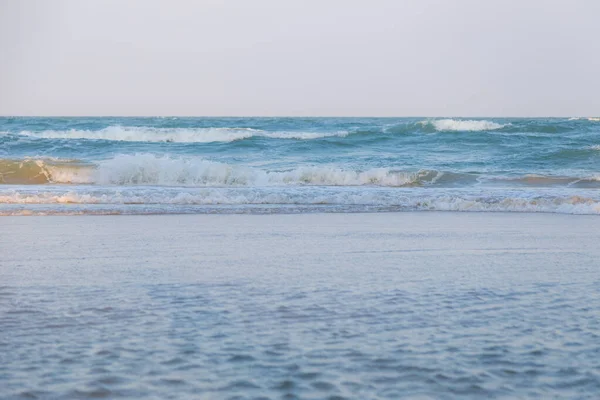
[300, 57]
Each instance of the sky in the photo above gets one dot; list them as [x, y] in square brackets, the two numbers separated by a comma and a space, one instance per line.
[300, 57]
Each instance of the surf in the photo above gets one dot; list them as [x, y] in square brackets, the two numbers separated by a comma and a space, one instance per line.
[457, 125]
[165, 170]
[175, 135]
[107, 200]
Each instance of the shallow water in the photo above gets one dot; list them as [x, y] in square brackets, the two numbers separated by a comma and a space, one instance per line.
[316, 306]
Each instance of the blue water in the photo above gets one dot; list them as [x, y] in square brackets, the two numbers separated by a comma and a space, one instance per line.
[256, 165]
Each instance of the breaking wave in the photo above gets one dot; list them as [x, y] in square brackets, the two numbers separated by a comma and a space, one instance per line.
[149, 169]
[591, 119]
[175, 135]
[462, 125]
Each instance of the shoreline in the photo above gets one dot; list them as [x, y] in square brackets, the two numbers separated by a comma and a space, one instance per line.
[29, 213]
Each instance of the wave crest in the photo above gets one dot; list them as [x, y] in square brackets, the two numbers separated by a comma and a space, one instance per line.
[591, 119]
[149, 169]
[462, 125]
[175, 135]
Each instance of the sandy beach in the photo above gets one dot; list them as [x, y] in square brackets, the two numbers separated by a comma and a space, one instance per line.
[300, 306]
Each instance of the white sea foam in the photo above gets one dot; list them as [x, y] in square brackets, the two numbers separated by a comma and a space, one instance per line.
[176, 135]
[591, 119]
[148, 169]
[169, 200]
[462, 125]
[163, 170]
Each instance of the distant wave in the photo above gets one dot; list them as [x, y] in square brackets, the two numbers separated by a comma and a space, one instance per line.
[462, 125]
[233, 134]
[176, 135]
[591, 119]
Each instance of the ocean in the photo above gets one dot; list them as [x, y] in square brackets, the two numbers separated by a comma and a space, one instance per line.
[321, 277]
[165, 165]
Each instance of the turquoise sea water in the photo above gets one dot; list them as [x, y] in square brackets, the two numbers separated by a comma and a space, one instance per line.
[269, 165]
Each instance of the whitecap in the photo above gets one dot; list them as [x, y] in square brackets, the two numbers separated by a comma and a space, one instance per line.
[149, 169]
[176, 135]
[463, 125]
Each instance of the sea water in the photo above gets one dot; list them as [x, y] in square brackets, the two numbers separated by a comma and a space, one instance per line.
[291, 165]
[366, 306]
[345, 305]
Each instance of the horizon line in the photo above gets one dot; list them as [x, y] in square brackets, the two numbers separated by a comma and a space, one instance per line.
[290, 116]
